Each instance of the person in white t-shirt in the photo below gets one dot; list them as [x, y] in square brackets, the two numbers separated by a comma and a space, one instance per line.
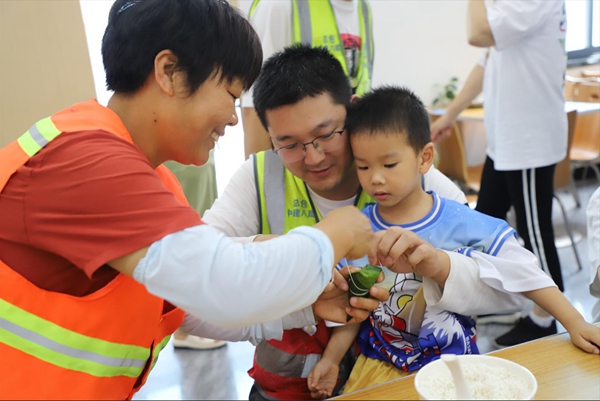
[347, 33]
[593, 237]
[522, 76]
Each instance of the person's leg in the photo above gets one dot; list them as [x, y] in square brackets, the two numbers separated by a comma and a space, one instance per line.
[494, 200]
[531, 192]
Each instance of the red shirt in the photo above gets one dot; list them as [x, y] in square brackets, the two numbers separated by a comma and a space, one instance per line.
[82, 201]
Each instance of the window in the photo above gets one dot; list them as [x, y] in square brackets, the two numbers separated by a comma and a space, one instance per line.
[583, 34]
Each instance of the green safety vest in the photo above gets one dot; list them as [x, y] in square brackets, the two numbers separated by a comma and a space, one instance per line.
[283, 199]
[314, 24]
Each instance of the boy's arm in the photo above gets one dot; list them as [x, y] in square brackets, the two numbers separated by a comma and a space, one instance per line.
[583, 334]
[323, 378]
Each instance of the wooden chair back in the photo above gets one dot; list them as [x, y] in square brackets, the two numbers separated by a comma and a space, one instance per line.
[562, 172]
[452, 160]
[582, 89]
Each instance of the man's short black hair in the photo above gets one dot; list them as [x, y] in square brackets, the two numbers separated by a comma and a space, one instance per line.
[297, 72]
[390, 110]
[207, 36]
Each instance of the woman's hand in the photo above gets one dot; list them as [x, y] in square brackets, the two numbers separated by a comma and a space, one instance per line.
[333, 303]
[349, 230]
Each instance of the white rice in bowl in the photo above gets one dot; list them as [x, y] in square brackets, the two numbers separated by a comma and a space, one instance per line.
[486, 382]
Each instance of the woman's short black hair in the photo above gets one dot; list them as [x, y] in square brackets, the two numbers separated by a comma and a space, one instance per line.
[207, 36]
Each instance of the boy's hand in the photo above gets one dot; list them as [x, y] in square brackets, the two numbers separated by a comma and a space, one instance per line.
[322, 379]
[586, 336]
[403, 251]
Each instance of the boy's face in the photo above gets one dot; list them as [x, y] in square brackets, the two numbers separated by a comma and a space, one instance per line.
[325, 172]
[388, 168]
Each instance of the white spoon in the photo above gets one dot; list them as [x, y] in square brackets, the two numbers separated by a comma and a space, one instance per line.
[462, 389]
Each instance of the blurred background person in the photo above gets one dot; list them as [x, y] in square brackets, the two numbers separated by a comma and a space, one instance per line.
[200, 188]
[525, 124]
[343, 26]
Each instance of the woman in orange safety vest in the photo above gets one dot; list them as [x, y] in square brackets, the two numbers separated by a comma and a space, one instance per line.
[96, 234]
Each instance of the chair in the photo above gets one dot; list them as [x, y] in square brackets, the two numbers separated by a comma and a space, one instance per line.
[582, 89]
[585, 151]
[563, 180]
[590, 74]
[452, 161]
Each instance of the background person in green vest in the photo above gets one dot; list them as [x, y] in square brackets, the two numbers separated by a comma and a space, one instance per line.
[199, 185]
[301, 98]
[345, 27]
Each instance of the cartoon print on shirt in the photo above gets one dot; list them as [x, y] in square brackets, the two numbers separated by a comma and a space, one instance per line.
[407, 332]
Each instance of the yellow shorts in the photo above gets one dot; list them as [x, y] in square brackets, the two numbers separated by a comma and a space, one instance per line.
[368, 372]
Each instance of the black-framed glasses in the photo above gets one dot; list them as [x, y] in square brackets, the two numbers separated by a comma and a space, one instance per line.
[324, 143]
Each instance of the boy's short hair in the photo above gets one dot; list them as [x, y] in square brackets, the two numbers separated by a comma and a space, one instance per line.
[207, 36]
[297, 72]
[390, 110]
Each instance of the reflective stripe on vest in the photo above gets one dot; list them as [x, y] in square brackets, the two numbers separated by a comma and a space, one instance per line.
[282, 363]
[38, 136]
[283, 200]
[20, 329]
[71, 353]
[314, 24]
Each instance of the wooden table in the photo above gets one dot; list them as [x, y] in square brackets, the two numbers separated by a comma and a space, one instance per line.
[472, 129]
[562, 370]
[476, 114]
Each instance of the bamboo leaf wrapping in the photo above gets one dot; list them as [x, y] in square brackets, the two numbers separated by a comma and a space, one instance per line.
[361, 281]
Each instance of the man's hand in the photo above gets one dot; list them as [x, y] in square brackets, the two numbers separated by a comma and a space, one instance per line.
[333, 303]
[403, 251]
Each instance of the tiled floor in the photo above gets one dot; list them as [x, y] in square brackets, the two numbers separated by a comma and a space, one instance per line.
[222, 374]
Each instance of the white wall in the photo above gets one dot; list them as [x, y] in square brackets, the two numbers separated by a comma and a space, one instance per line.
[43, 62]
[95, 19]
[418, 43]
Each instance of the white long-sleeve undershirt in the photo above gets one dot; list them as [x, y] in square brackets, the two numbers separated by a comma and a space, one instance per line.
[231, 285]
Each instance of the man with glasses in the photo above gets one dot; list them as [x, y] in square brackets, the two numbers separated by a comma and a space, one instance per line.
[301, 98]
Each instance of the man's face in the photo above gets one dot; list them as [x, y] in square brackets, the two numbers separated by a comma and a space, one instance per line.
[313, 117]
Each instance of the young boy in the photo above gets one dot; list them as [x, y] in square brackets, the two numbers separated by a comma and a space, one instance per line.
[390, 139]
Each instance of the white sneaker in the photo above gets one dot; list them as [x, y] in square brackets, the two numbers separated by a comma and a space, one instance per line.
[193, 342]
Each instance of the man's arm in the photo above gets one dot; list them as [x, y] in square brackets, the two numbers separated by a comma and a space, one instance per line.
[235, 212]
[479, 32]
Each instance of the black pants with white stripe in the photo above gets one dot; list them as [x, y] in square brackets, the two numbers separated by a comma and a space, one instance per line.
[530, 192]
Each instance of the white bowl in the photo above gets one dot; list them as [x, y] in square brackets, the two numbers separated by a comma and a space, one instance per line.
[484, 377]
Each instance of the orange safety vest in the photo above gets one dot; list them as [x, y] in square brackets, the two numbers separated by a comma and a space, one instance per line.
[57, 346]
